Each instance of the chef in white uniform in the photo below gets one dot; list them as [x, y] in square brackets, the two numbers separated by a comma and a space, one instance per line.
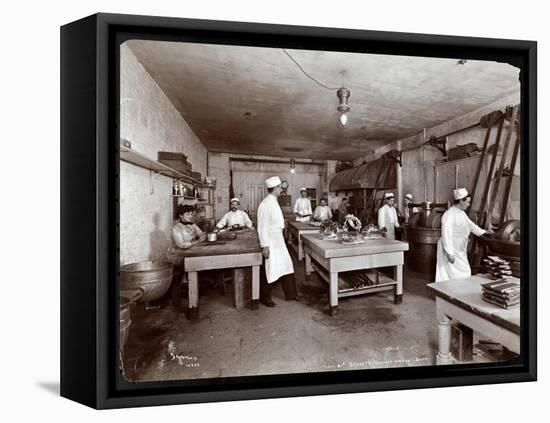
[234, 217]
[456, 226]
[278, 264]
[387, 216]
[302, 207]
[407, 212]
[322, 211]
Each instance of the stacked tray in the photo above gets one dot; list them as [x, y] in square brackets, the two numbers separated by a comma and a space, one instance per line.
[504, 293]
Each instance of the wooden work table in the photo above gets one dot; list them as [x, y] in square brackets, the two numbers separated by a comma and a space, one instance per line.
[460, 300]
[331, 257]
[239, 253]
[296, 230]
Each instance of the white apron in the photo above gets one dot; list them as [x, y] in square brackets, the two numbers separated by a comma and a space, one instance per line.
[270, 231]
[387, 218]
[455, 231]
[303, 206]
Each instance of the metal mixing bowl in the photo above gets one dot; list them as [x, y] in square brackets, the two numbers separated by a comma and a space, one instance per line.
[153, 277]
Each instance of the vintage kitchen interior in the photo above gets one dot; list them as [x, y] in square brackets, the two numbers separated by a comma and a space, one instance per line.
[288, 211]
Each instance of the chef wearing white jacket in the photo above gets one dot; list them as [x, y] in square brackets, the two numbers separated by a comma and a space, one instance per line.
[387, 216]
[234, 217]
[302, 207]
[278, 264]
[452, 258]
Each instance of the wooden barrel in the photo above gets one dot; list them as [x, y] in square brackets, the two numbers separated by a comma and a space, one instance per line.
[422, 255]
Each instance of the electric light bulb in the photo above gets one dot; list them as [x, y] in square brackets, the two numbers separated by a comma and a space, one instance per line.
[343, 119]
[293, 171]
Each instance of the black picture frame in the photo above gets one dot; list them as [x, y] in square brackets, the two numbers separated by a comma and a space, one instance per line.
[89, 210]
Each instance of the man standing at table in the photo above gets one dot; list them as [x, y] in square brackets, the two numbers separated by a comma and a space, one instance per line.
[387, 216]
[452, 247]
[322, 211]
[302, 207]
[278, 264]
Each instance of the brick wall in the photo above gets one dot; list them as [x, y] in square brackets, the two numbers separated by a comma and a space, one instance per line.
[151, 123]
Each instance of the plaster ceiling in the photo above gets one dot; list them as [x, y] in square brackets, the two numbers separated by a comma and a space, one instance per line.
[257, 101]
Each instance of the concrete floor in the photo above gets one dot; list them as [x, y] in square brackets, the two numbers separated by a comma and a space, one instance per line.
[293, 337]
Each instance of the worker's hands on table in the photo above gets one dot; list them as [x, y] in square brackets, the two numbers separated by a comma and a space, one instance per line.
[265, 252]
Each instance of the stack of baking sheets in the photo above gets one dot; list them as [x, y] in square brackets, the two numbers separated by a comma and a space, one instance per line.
[497, 268]
[504, 293]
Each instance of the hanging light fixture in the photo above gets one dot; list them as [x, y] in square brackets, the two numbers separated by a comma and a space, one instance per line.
[343, 95]
[292, 166]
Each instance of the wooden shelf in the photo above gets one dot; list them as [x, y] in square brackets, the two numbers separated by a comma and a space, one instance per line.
[138, 159]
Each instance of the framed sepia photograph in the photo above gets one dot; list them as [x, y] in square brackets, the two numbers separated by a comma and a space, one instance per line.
[258, 211]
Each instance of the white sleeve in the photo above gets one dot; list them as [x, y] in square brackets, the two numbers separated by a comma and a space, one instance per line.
[178, 238]
[394, 211]
[223, 221]
[247, 220]
[381, 218]
[329, 213]
[264, 213]
[447, 223]
[474, 228]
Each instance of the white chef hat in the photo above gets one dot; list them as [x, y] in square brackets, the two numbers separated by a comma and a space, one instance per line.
[388, 195]
[303, 189]
[460, 193]
[235, 199]
[409, 196]
[272, 182]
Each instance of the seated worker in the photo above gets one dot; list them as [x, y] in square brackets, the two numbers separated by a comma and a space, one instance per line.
[302, 207]
[186, 233]
[322, 211]
[234, 217]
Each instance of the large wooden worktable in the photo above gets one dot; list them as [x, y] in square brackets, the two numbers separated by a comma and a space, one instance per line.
[244, 251]
[334, 257]
[460, 300]
[296, 230]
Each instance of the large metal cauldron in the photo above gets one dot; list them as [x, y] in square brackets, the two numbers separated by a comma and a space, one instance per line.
[423, 232]
[153, 277]
[127, 299]
[422, 255]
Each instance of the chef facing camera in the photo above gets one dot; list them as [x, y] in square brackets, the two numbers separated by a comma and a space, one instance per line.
[302, 207]
[277, 262]
[234, 218]
[387, 216]
[452, 247]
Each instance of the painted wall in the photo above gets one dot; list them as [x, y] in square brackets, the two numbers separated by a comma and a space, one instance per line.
[151, 123]
[311, 176]
[421, 182]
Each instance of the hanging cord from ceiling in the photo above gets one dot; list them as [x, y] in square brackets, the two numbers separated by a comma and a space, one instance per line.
[308, 75]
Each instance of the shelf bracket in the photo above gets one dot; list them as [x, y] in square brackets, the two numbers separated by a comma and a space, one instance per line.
[153, 176]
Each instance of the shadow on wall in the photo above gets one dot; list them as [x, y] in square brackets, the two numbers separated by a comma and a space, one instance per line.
[159, 241]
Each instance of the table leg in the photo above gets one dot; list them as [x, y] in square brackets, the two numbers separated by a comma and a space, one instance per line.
[398, 289]
[308, 267]
[193, 295]
[300, 249]
[333, 293]
[255, 287]
[444, 353]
